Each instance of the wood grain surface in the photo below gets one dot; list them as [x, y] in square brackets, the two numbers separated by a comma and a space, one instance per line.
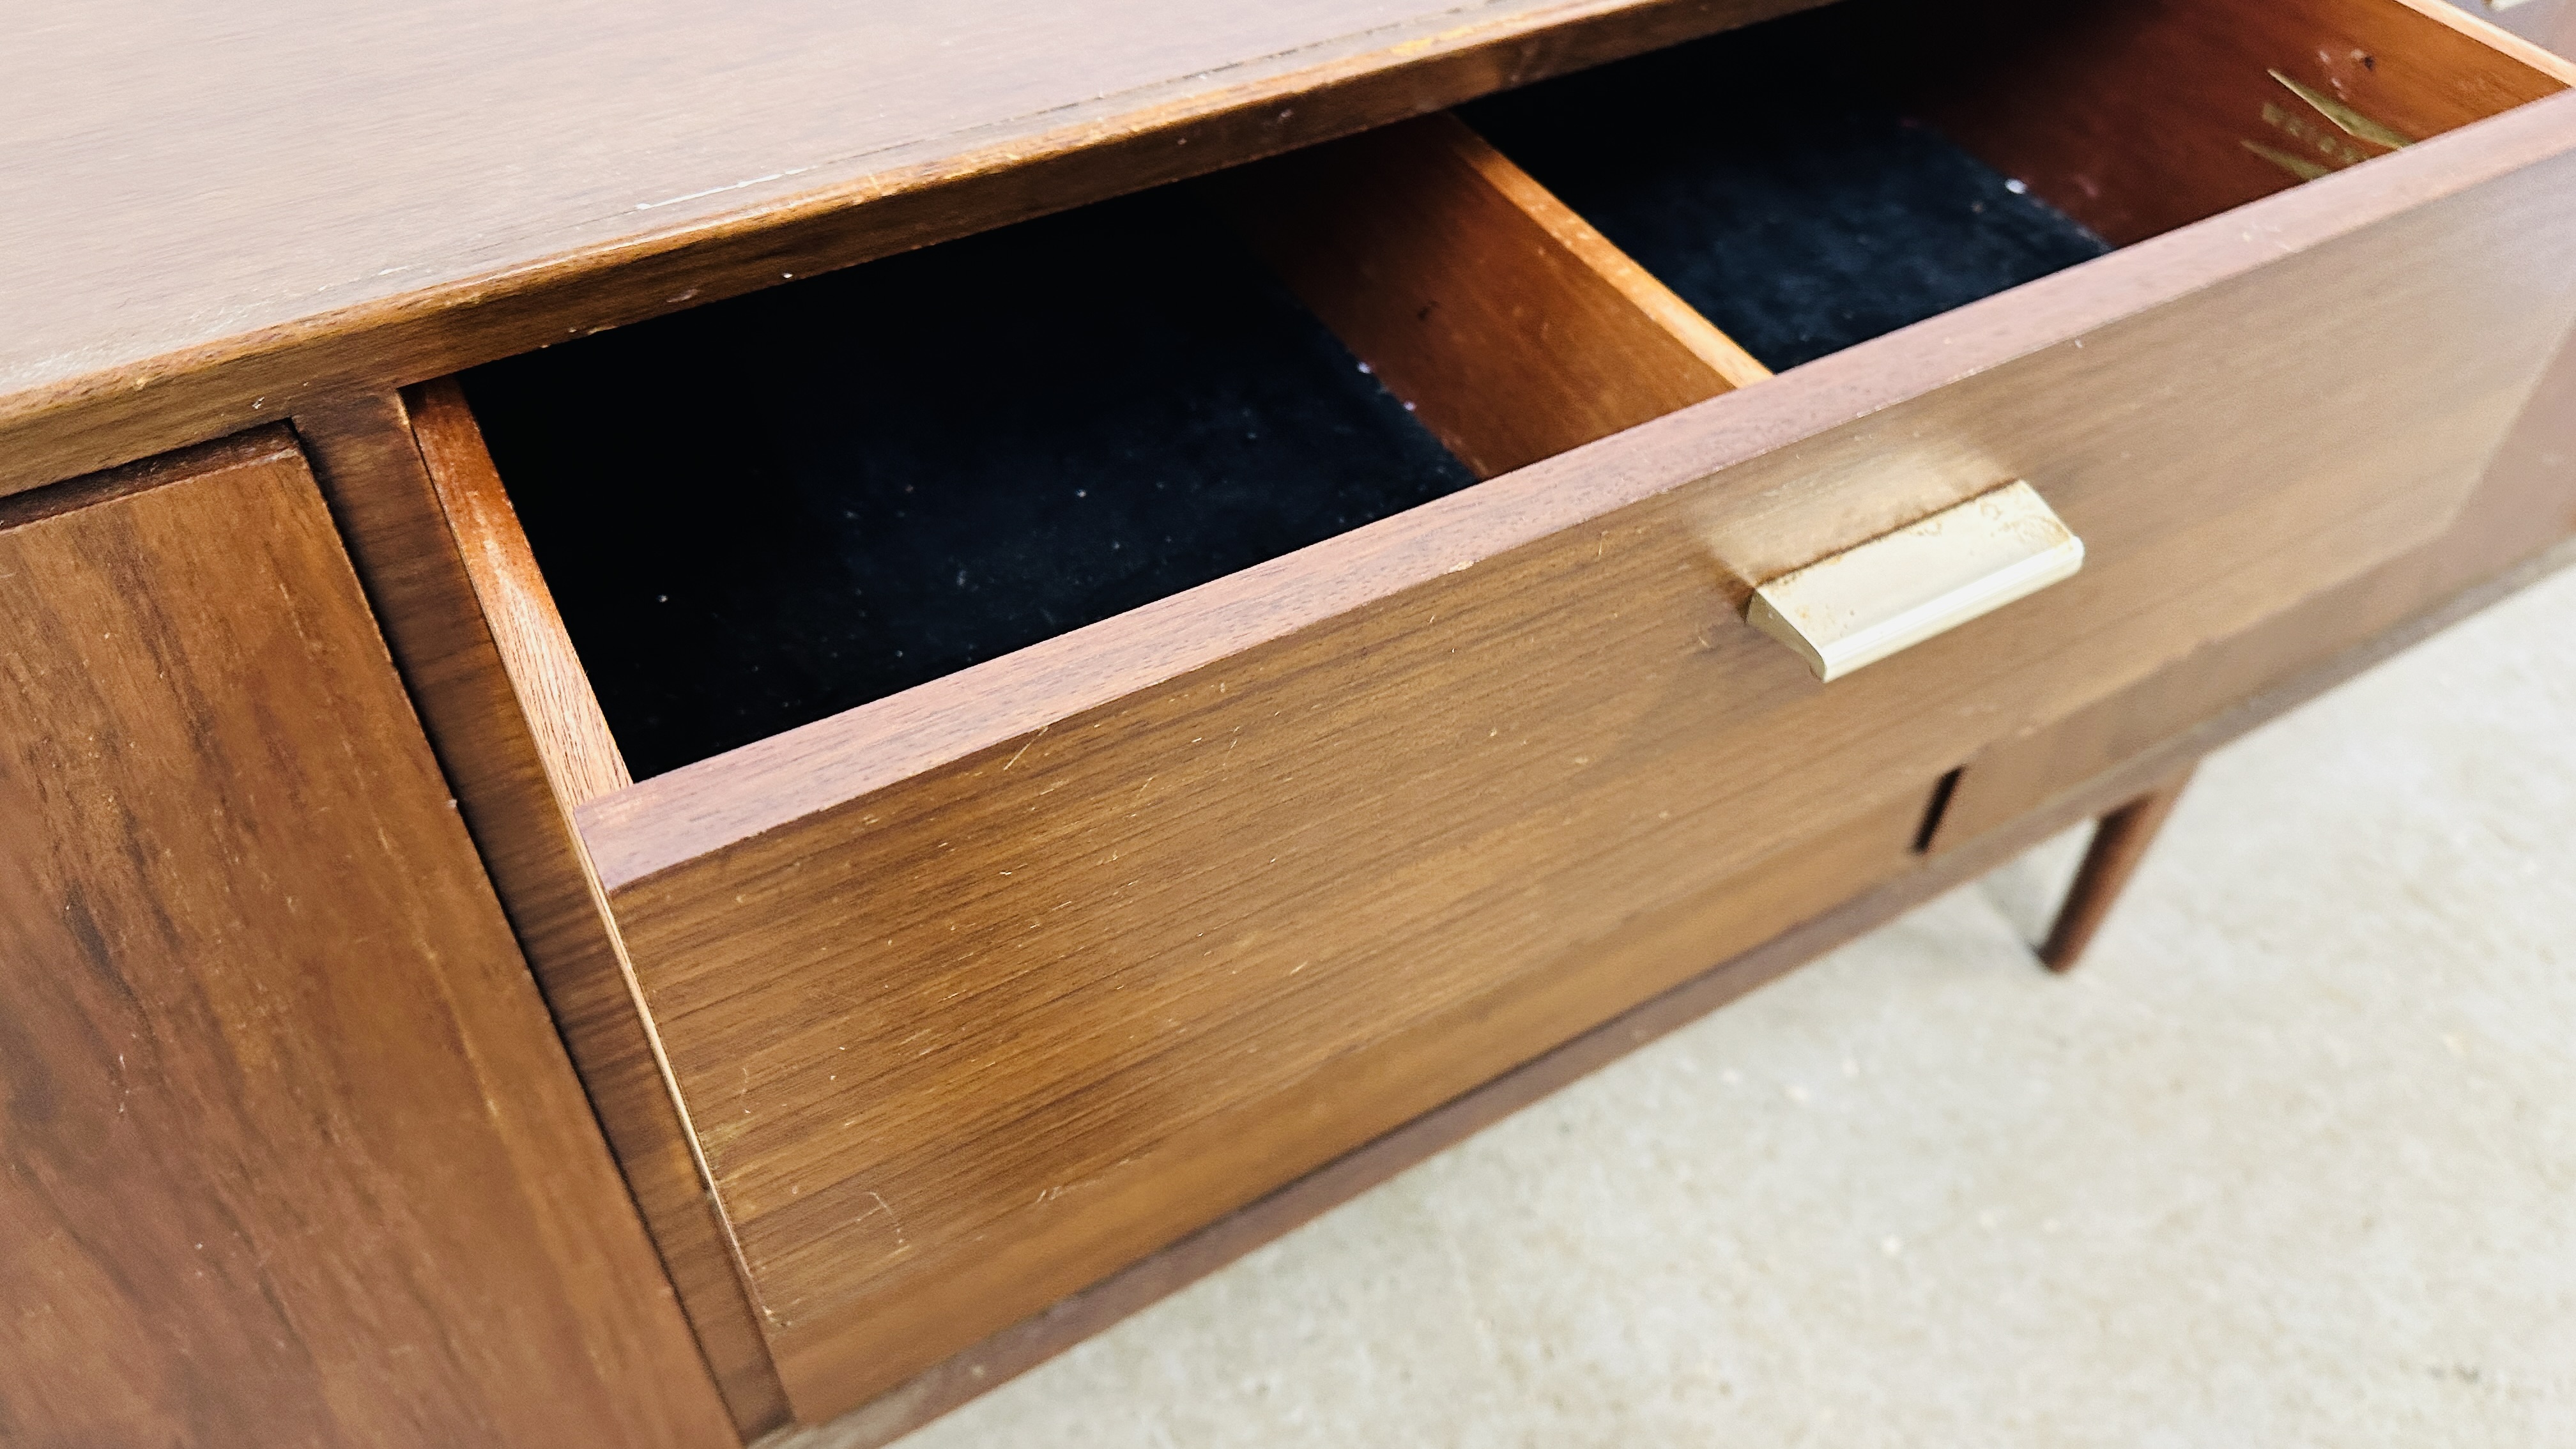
[2139, 116]
[292, 1153]
[217, 216]
[572, 736]
[1513, 328]
[2513, 533]
[962, 1041]
[1724, 925]
[2526, 499]
[1021, 1347]
[514, 787]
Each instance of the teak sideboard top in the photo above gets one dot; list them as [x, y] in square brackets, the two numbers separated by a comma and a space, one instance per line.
[217, 214]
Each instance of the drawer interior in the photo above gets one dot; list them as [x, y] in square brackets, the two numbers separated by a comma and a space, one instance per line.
[766, 511]
[1778, 181]
[1814, 182]
[2139, 116]
[758, 514]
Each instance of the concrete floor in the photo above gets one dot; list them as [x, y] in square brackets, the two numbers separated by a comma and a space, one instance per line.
[2290, 1161]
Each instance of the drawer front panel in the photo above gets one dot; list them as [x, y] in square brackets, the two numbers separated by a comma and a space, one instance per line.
[2525, 503]
[958, 1043]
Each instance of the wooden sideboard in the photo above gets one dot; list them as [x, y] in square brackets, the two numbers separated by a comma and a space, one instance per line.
[714, 721]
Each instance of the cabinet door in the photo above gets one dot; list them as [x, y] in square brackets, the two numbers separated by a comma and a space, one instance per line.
[289, 1153]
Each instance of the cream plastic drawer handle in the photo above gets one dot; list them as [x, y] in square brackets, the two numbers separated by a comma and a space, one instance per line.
[1899, 589]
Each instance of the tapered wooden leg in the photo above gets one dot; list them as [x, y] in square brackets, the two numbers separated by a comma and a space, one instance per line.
[2120, 841]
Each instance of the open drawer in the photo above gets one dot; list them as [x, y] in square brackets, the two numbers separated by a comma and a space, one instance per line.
[1134, 706]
